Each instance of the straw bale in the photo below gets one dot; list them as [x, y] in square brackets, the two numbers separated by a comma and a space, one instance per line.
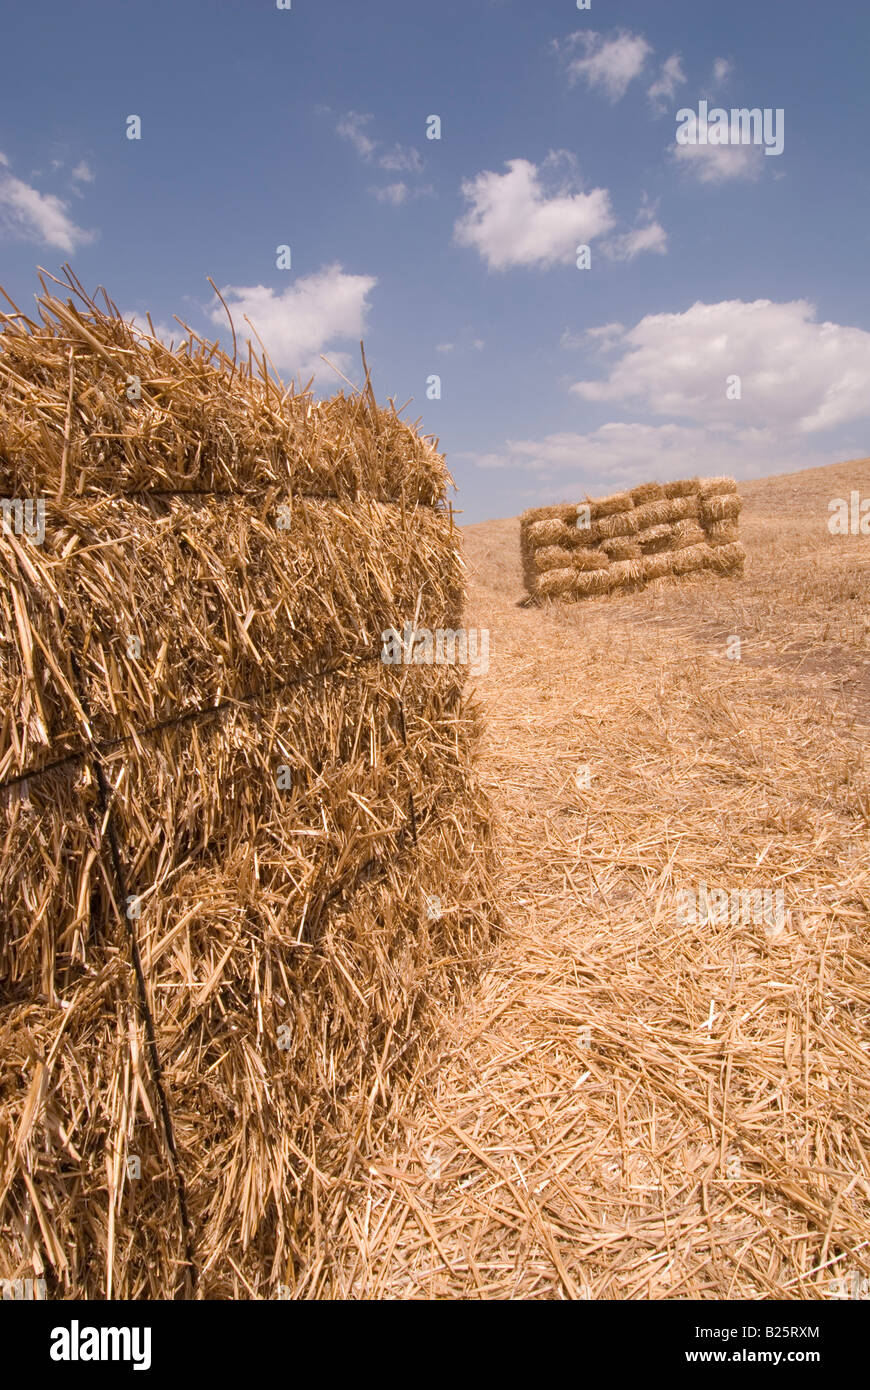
[625, 574]
[556, 582]
[209, 787]
[715, 487]
[690, 558]
[722, 532]
[547, 532]
[727, 558]
[646, 492]
[592, 582]
[589, 559]
[366, 951]
[720, 507]
[656, 538]
[682, 487]
[655, 566]
[188, 432]
[665, 511]
[621, 548]
[218, 599]
[239, 825]
[551, 557]
[619, 524]
[609, 506]
[562, 511]
[687, 533]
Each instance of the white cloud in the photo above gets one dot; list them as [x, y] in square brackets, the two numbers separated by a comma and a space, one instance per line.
[445, 347]
[663, 90]
[399, 192]
[611, 64]
[302, 321]
[402, 158]
[351, 127]
[721, 71]
[798, 375]
[650, 235]
[513, 220]
[394, 193]
[621, 454]
[799, 378]
[720, 163]
[29, 215]
[83, 173]
[606, 334]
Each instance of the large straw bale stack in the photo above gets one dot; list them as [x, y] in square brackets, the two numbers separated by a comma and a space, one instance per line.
[654, 531]
[243, 857]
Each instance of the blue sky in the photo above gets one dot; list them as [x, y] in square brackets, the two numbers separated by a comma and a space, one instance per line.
[457, 257]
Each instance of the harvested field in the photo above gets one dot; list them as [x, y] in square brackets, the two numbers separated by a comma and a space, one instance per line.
[634, 1105]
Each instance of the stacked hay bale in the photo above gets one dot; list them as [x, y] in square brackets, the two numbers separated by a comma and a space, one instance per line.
[626, 540]
[242, 858]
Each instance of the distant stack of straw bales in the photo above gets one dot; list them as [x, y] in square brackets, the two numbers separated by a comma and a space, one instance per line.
[626, 540]
[242, 859]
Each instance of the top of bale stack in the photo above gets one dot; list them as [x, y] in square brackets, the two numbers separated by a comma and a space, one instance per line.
[152, 593]
[70, 426]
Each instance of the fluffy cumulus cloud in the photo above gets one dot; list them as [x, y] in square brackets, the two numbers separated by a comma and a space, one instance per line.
[799, 378]
[299, 323]
[26, 214]
[796, 373]
[523, 218]
[610, 64]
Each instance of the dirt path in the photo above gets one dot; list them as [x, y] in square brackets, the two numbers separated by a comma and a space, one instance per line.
[631, 1106]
